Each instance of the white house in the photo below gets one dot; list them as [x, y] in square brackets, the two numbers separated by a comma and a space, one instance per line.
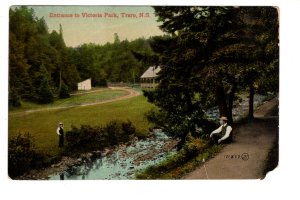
[148, 78]
[85, 85]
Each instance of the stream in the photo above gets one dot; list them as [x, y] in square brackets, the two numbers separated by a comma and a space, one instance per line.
[125, 161]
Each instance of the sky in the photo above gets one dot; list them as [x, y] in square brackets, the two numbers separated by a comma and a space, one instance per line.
[78, 29]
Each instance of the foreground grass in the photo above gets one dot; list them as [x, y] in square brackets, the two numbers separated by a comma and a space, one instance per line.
[96, 96]
[173, 167]
[42, 125]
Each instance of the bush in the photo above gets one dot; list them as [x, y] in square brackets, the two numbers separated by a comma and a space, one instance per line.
[89, 138]
[128, 128]
[22, 155]
[86, 138]
[114, 130]
[156, 117]
[119, 132]
[192, 147]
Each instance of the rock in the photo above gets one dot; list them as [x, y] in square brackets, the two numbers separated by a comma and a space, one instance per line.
[97, 153]
[89, 154]
[105, 152]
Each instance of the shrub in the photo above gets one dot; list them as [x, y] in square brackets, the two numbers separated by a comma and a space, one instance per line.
[119, 132]
[113, 129]
[128, 128]
[192, 147]
[86, 138]
[22, 155]
[89, 138]
[159, 118]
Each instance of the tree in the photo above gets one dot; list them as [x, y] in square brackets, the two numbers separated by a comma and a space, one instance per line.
[32, 46]
[179, 94]
[233, 42]
[205, 59]
[64, 91]
[183, 92]
[14, 99]
[248, 50]
[37, 57]
[45, 94]
[199, 30]
[264, 22]
[116, 38]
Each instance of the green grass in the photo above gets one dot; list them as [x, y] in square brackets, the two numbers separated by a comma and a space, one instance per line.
[42, 125]
[173, 168]
[97, 96]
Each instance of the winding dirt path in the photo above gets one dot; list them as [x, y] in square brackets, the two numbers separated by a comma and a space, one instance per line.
[131, 93]
[245, 157]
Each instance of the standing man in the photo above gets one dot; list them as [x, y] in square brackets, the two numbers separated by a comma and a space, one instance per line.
[223, 134]
[60, 132]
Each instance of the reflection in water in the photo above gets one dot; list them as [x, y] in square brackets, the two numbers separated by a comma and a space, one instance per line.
[124, 162]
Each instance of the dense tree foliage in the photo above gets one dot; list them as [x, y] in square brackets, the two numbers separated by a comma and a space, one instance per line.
[113, 62]
[210, 54]
[41, 65]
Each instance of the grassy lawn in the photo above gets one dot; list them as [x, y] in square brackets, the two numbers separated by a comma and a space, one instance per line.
[97, 96]
[42, 125]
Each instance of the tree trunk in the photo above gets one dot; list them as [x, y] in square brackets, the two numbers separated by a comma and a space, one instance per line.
[230, 94]
[251, 100]
[221, 100]
[189, 103]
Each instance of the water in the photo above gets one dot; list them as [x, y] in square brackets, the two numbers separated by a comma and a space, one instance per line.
[124, 162]
[239, 110]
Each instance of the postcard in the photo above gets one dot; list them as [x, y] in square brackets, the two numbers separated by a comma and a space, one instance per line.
[143, 92]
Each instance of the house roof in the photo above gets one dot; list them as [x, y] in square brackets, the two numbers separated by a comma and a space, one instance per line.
[85, 80]
[151, 72]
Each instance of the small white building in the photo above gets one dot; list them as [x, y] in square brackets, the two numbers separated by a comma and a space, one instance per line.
[85, 85]
[148, 79]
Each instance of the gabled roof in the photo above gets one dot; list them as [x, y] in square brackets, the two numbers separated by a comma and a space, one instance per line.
[151, 72]
[85, 80]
